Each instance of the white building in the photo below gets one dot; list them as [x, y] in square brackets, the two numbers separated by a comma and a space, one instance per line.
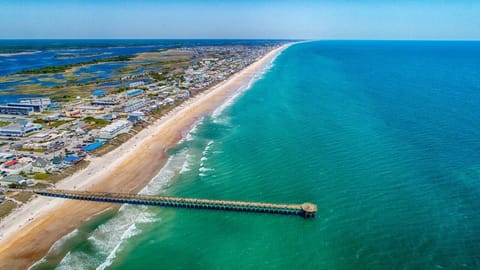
[163, 88]
[169, 101]
[114, 129]
[19, 129]
[136, 84]
[44, 102]
[135, 105]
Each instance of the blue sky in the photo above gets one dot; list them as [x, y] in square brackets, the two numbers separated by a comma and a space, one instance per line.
[320, 19]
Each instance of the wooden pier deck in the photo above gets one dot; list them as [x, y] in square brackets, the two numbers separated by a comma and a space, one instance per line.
[306, 210]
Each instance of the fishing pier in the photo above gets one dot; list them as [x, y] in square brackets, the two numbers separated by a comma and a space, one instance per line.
[306, 210]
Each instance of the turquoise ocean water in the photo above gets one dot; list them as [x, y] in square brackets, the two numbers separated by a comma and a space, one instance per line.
[383, 136]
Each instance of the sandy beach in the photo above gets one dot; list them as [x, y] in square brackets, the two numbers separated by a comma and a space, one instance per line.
[28, 233]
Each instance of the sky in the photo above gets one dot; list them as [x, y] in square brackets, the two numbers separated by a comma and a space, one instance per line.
[299, 19]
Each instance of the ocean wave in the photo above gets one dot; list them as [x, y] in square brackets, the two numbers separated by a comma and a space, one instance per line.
[130, 232]
[107, 240]
[172, 167]
[124, 226]
[207, 147]
[39, 262]
[190, 135]
[187, 165]
[205, 153]
[80, 260]
[221, 118]
[56, 247]
[204, 169]
[63, 240]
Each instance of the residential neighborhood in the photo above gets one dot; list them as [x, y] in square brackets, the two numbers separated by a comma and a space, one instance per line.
[40, 138]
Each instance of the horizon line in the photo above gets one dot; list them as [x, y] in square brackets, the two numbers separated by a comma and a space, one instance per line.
[274, 39]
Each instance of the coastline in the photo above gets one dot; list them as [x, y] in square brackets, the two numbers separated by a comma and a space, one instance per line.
[27, 234]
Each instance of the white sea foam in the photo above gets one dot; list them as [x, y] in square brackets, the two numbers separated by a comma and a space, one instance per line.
[63, 240]
[166, 174]
[204, 169]
[130, 232]
[209, 145]
[81, 260]
[190, 135]
[56, 246]
[205, 153]
[187, 165]
[42, 260]
[108, 239]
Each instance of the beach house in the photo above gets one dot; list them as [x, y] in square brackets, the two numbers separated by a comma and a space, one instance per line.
[111, 131]
[40, 165]
[134, 105]
[12, 179]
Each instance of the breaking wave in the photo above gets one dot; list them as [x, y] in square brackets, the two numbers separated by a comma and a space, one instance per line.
[109, 238]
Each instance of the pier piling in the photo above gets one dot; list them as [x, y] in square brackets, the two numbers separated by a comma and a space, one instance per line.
[306, 210]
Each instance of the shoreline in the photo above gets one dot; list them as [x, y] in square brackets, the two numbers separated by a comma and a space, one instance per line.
[27, 234]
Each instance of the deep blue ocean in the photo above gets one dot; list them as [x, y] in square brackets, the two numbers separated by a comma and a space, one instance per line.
[384, 136]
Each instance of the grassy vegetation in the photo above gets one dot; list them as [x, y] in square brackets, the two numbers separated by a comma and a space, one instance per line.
[157, 77]
[97, 123]
[42, 185]
[114, 143]
[6, 208]
[63, 68]
[57, 123]
[32, 150]
[95, 120]
[67, 89]
[23, 196]
[126, 69]
[68, 171]
[119, 90]
[51, 124]
[63, 98]
[71, 79]
[4, 123]
[41, 176]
